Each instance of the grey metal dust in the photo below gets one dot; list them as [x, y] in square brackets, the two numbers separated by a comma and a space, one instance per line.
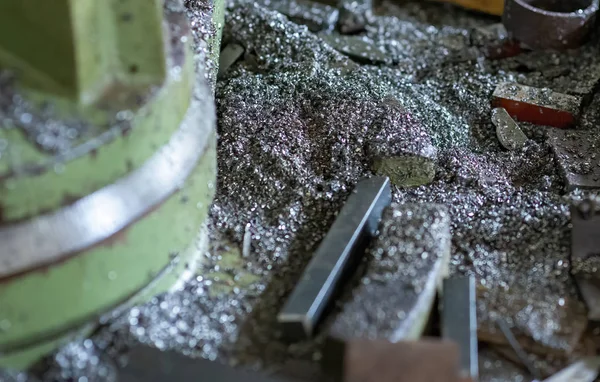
[296, 119]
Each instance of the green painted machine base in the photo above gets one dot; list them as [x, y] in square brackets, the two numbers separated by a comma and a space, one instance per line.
[67, 300]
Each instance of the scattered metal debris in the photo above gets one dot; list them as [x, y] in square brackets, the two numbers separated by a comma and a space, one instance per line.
[146, 364]
[365, 360]
[585, 249]
[538, 106]
[406, 263]
[229, 56]
[354, 15]
[494, 43]
[508, 131]
[576, 152]
[459, 321]
[517, 348]
[409, 158]
[336, 255]
[357, 48]
[550, 24]
[585, 370]
[315, 15]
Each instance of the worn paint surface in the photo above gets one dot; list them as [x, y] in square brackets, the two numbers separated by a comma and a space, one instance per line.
[97, 280]
[36, 181]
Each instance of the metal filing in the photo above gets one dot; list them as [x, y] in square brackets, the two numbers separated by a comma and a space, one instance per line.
[459, 321]
[108, 152]
[356, 222]
[406, 262]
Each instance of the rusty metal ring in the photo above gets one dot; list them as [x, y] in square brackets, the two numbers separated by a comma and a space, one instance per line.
[550, 24]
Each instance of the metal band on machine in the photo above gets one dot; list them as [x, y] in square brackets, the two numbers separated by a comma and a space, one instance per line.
[53, 237]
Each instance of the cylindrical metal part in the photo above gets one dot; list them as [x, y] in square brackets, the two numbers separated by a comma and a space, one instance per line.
[550, 24]
[88, 229]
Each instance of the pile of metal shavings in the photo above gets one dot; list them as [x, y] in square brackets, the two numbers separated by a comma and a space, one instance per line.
[41, 125]
[200, 13]
[295, 120]
[404, 264]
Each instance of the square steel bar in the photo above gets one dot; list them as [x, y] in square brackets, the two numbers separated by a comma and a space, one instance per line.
[459, 321]
[356, 222]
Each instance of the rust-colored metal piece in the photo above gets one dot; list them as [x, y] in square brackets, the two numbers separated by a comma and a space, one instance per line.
[362, 360]
[550, 24]
[538, 106]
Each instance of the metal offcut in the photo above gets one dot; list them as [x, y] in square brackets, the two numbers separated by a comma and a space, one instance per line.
[336, 255]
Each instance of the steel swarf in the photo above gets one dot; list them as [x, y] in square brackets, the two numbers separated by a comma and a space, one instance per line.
[316, 16]
[544, 322]
[401, 148]
[406, 263]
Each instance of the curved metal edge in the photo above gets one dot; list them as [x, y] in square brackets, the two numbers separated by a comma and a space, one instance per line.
[554, 30]
[53, 237]
[191, 258]
[593, 7]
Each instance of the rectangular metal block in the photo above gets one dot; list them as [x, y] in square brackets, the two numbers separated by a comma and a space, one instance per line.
[538, 106]
[147, 364]
[576, 152]
[406, 264]
[336, 256]
[426, 360]
[459, 321]
[585, 254]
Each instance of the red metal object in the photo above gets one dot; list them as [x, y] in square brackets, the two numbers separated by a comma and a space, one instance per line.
[503, 49]
[426, 360]
[538, 106]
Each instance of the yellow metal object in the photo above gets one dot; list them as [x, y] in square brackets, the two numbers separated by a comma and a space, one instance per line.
[492, 7]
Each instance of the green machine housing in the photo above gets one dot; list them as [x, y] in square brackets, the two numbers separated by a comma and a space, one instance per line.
[107, 163]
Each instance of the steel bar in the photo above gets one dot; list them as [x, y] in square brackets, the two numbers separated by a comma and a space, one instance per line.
[147, 364]
[585, 256]
[538, 106]
[459, 321]
[358, 219]
[550, 24]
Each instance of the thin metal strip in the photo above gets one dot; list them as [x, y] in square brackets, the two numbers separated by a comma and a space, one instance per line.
[53, 237]
[459, 321]
[358, 219]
